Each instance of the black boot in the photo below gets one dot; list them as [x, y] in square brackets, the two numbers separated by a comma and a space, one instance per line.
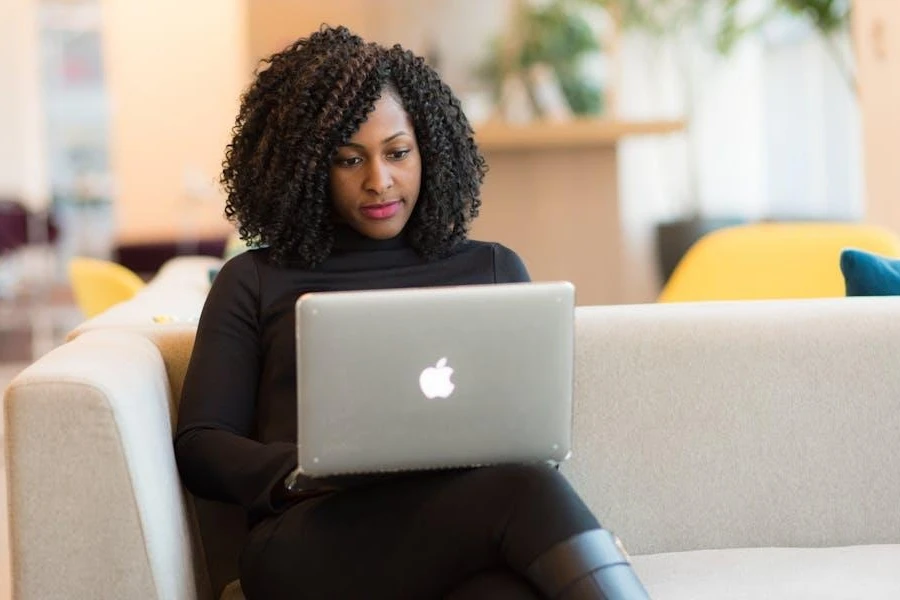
[589, 566]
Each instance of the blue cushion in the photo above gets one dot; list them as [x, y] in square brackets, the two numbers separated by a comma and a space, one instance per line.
[867, 274]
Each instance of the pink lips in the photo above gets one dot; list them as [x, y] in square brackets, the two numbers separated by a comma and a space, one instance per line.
[385, 210]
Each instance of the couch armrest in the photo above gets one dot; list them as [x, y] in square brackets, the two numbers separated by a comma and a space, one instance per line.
[740, 424]
[96, 506]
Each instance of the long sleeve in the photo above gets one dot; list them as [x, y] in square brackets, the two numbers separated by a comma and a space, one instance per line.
[216, 456]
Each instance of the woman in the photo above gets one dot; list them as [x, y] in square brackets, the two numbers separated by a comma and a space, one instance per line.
[352, 166]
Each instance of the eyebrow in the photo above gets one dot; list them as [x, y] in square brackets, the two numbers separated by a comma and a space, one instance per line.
[384, 141]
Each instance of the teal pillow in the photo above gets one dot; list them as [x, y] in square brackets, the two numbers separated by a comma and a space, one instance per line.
[868, 274]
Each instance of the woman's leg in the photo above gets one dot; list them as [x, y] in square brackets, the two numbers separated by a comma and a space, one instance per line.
[587, 566]
[420, 536]
[498, 584]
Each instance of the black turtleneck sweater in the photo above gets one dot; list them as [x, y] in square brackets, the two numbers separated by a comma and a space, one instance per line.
[237, 424]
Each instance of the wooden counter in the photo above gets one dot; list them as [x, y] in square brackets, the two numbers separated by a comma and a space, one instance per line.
[582, 133]
[552, 195]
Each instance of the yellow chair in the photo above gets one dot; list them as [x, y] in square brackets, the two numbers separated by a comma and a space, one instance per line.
[772, 261]
[98, 284]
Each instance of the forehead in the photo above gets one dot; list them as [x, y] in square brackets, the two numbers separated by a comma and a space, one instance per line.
[387, 118]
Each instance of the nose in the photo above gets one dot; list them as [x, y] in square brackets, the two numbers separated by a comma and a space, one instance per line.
[378, 177]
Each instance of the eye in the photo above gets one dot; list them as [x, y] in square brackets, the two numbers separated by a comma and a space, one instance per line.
[399, 154]
[351, 161]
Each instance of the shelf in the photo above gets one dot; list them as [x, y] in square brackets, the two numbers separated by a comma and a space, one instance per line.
[581, 133]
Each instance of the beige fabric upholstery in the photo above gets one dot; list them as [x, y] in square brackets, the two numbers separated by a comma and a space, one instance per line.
[847, 573]
[697, 428]
[221, 527]
[96, 508]
[768, 423]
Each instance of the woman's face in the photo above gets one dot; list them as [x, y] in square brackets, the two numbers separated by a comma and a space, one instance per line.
[375, 177]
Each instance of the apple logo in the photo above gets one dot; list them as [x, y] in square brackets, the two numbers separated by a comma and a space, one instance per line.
[435, 381]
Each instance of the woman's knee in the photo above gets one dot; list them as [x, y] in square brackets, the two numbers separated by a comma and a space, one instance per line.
[543, 510]
[536, 492]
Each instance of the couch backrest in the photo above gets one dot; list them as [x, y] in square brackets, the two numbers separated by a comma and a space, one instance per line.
[768, 423]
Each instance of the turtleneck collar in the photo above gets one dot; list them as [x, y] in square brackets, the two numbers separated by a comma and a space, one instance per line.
[347, 239]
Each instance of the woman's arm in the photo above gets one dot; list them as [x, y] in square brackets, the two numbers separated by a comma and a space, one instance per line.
[216, 457]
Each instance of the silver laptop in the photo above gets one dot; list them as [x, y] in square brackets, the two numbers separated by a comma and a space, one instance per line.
[427, 378]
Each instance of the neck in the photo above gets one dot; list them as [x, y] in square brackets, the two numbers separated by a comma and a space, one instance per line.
[347, 239]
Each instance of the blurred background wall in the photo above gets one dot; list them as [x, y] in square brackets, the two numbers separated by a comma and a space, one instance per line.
[115, 113]
[174, 72]
[22, 164]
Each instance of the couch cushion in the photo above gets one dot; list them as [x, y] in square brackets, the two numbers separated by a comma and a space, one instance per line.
[868, 274]
[845, 573]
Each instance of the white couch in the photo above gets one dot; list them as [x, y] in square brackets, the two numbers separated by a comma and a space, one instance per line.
[740, 450]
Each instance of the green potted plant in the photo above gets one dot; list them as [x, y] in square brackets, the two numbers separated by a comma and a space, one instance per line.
[551, 39]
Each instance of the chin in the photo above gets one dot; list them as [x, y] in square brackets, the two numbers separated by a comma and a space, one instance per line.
[382, 231]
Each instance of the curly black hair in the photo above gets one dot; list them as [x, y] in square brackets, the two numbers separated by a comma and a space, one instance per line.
[306, 102]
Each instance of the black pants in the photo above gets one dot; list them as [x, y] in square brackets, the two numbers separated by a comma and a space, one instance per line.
[460, 534]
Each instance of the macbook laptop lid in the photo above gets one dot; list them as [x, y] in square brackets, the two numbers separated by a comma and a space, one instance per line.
[424, 378]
